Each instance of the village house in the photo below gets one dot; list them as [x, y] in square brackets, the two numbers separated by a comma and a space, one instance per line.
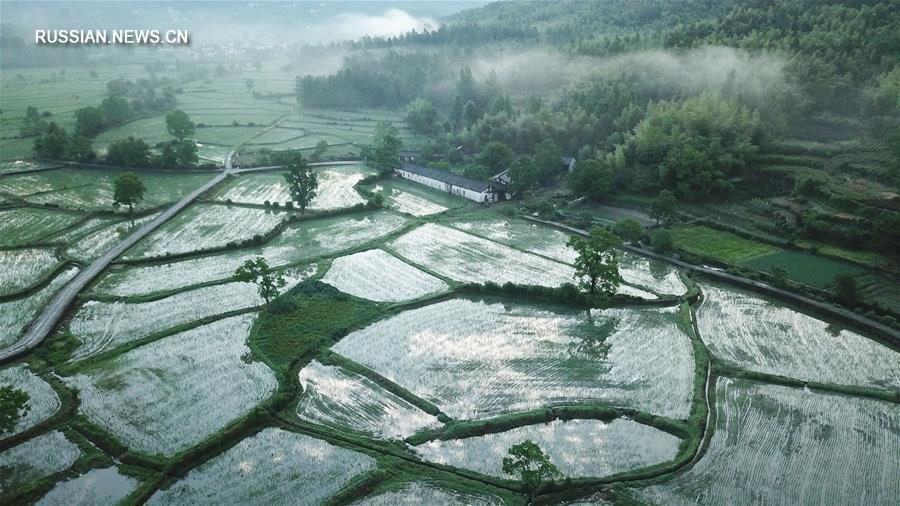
[446, 181]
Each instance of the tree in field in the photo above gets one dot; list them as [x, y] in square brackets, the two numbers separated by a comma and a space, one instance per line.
[33, 124]
[88, 121]
[186, 154]
[179, 125]
[846, 289]
[524, 176]
[116, 110]
[80, 149]
[128, 152]
[319, 150]
[531, 465]
[548, 158]
[384, 154]
[591, 179]
[779, 276]
[13, 406]
[662, 241]
[129, 190]
[257, 271]
[302, 181]
[663, 207]
[52, 144]
[628, 229]
[597, 265]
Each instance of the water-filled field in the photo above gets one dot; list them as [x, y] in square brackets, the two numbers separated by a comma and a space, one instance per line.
[781, 445]
[204, 226]
[16, 314]
[579, 448]
[96, 243]
[91, 189]
[101, 326]
[379, 276]
[42, 399]
[415, 199]
[167, 396]
[36, 458]
[22, 268]
[273, 467]
[470, 259]
[415, 493]
[478, 359]
[346, 400]
[26, 225]
[97, 486]
[335, 188]
[764, 336]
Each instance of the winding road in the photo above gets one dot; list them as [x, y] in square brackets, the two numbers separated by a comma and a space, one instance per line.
[44, 323]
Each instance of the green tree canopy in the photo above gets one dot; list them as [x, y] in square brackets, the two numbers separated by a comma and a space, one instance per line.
[524, 176]
[257, 271]
[591, 179]
[129, 190]
[597, 264]
[88, 121]
[530, 465]
[496, 157]
[384, 153]
[302, 181]
[179, 125]
[128, 152]
[421, 116]
[13, 406]
[663, 207]
[548, 158]
[116, 110]
[628, 229]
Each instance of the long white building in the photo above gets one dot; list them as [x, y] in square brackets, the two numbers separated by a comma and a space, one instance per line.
[445, 181]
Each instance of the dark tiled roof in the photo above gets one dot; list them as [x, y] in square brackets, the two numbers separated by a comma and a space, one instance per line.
[447, 177]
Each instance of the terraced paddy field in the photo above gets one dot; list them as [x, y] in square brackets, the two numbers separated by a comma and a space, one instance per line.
[166, 396]
[579, 448]
[273, 467]
[762, 335]
[410, 494]
[335, 191]
[336, 397]
[479, 359]
[415, 199]
[204, 227]
[92, 189]
[36, 458]
[781, 445]
[26, 225]
[22, 268]
[379, 276]
[42, 399]
[98, 486]
[16, 314]
[94, 244]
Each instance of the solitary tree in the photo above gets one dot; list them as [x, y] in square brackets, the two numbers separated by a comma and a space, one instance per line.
[662, 241]
[319, 150]
[597, 265]
[179, 125]
[384, 153]
[129, 190]
[527, 461]
[302, 181]
[663, 207]
[257, 271]
[13, 406]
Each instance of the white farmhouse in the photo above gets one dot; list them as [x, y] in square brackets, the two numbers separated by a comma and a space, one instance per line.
[445, 181]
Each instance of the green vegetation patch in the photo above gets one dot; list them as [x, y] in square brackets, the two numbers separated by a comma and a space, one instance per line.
[308, 317]
[804, 267]
[724, 246]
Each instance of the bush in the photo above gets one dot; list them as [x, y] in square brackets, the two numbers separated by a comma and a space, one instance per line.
[661, 239]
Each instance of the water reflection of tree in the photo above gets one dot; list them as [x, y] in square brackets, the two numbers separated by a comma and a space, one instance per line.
[592, 337]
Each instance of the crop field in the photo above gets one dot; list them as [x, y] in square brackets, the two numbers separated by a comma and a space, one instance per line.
[415, 199]
[16, 314]
[724, 246]
[98, 486]
[469, 259]
[657, 276]
[227, 136]
[206, 226]
[101, 326]
[346, 400]
[22, 268]
[415, 493]
[274, 467]
[36, 458]
[379, 276]
[168, 395]
[42, 399]
[94, 244]
[92, 189]
[150, 130]
[16, 149]
[256, 189]
[579, 448]
[479, 359]
[335, 188]
[25, 225]
[19, 165]
[761, 335]
[807, 448]
[806, 268]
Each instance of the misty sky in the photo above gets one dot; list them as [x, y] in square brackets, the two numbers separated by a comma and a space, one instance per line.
[273, 21]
